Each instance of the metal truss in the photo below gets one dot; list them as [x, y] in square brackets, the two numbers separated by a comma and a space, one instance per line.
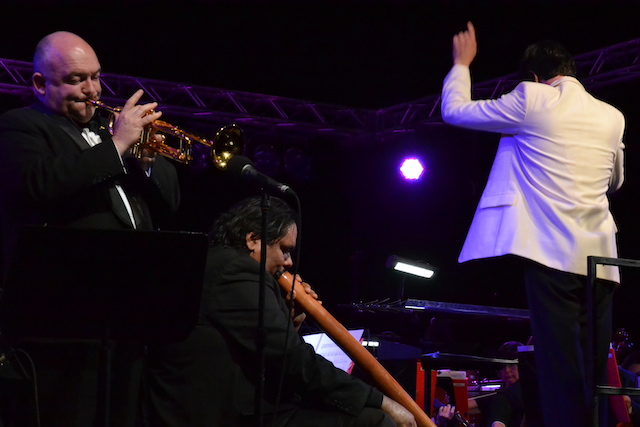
[199, 104]
[15, 77]
[206, 104]
[605, 67]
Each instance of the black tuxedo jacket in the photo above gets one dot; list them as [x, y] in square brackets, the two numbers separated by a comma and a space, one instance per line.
[210, 379]
[50, 175]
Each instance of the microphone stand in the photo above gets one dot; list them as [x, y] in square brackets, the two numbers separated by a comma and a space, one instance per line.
[260, 333]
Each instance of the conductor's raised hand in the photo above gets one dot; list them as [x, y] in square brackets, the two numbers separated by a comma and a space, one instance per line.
[465, 46]
[131, 121]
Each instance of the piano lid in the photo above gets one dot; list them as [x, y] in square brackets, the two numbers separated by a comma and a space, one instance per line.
[455, 308]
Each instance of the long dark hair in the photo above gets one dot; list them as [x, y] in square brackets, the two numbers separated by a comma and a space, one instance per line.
[232, 227]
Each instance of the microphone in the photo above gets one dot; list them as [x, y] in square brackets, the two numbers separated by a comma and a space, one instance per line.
[243, 167]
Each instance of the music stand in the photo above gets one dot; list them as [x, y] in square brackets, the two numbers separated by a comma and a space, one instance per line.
[594, 390]
[103, 285]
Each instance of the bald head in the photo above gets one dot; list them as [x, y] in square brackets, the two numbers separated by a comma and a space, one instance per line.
[66, 73]
[59, 46]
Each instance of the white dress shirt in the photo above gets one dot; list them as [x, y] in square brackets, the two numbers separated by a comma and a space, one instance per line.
[94, 139]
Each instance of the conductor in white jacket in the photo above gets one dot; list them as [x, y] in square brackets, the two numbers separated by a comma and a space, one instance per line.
[560, 154]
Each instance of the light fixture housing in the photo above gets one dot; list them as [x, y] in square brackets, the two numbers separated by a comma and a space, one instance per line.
[417, 268]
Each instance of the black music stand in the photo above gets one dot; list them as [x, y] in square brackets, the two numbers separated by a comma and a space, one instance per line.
[103, 286]
[595, 390]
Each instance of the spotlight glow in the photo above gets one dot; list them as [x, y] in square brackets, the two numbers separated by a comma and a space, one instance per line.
[418, 268]
[414, 269]
[411, 168]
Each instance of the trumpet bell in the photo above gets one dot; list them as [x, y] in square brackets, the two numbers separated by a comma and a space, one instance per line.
[228, 142]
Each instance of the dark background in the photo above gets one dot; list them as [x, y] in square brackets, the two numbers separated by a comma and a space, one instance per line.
[365, 54]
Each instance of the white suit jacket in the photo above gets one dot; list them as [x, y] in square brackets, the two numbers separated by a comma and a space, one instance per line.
[561, 152]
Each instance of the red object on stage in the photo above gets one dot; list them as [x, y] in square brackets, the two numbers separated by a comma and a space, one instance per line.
[613, 379]
[433, 384]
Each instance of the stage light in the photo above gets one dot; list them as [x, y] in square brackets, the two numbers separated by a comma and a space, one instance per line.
[411, 168]
[417, 268]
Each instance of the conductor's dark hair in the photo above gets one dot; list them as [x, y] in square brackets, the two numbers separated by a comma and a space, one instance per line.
[547, 59]
[232, 227]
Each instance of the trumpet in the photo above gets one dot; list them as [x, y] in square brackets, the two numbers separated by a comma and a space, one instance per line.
[227, 142]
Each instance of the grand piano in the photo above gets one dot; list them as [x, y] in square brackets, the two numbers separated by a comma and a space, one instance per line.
[457, 336]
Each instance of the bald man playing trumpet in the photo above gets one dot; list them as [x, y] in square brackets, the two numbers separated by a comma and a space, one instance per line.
[62, 167]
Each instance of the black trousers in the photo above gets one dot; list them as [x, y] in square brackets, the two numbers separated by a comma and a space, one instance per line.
[558, 308]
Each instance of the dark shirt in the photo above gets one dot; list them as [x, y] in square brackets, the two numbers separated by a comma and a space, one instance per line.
[50, 175]
[507, 406]
[211, 378]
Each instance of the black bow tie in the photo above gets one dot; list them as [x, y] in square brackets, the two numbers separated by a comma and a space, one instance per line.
[93, 126]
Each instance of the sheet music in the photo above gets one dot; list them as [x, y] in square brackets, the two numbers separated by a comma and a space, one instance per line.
[327, 348]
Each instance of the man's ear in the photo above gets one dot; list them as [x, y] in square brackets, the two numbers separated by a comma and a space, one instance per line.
[252, 241]
[38, 83]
